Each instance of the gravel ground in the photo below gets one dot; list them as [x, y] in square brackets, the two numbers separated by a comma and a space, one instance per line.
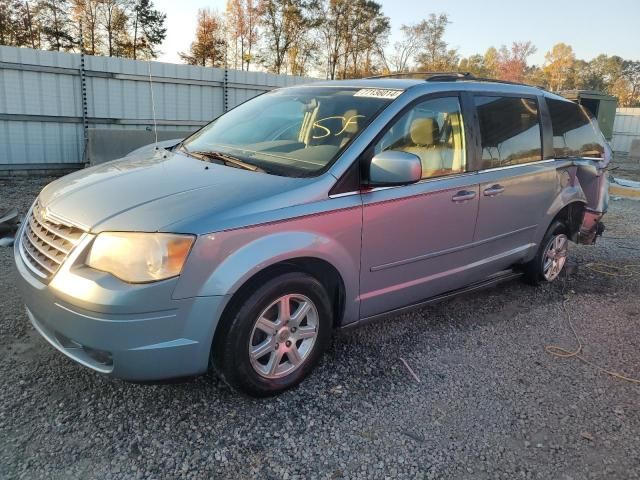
[490, 402]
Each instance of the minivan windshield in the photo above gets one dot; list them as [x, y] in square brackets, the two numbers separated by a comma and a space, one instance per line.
[294, 132]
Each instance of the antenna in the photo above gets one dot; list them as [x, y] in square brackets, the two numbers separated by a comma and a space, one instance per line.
[153, 105]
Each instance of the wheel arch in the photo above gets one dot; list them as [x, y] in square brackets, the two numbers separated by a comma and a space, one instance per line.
[322, 270]
[571, 215]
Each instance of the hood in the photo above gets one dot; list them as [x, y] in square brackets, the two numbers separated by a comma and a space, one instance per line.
[162, 191]
[150, 148]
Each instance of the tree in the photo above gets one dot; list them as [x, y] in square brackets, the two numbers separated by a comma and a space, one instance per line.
[209, 47]
[436, 56]
[32, 25]
[606, 70]
[353, 35]
[631, 72]
[535, 75]
[369, 32]
[121, 40]
[404, 50]
[559, 65]
[114, 23]
[283, 23]
[584, 77]
[512, 63]
[252, 21]
[492, 62]
[333, 16]
[475, 65]
[12, 31]
[87, 12]
[236, 28]
[57, 27]
[302, 55]
[148, 29]
[242, 18]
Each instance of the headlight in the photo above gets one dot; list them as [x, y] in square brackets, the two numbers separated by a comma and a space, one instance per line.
[140, 257]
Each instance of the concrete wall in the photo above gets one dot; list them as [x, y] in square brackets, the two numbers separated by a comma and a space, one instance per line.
[42, 104]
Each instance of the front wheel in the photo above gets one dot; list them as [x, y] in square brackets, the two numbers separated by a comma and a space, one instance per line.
[551, 256]
[273, 339]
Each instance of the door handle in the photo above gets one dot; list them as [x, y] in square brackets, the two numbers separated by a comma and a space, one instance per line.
[463, 196]
[493, 190]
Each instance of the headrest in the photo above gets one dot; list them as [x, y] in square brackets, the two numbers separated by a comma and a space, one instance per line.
[350, 122]
[424, 131]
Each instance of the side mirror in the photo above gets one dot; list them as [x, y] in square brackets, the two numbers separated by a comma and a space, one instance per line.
[394, 167]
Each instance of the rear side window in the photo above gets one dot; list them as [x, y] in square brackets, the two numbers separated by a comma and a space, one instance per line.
[575, 134]
[510, 130]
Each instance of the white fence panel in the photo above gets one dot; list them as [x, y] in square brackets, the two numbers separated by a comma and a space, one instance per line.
[41, 101]
[626, 131]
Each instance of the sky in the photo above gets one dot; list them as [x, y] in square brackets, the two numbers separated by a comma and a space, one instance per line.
[586, 25]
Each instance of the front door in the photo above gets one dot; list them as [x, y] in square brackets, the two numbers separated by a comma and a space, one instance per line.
[416, 238]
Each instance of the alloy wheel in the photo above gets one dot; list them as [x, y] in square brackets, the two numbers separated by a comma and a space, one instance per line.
[555, 256]
[283, 336]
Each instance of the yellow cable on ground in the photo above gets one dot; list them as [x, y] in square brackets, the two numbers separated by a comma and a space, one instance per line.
[556, 351]
[613, 270]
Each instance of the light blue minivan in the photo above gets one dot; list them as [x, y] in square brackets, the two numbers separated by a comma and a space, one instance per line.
[303, 210]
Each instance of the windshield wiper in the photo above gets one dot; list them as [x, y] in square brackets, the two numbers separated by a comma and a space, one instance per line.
[224, 158]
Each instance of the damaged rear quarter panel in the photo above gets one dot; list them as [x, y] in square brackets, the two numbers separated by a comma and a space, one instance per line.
[581, 182]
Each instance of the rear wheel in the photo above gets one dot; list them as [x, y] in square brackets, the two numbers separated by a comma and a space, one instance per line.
[275, 337]
[551, 256]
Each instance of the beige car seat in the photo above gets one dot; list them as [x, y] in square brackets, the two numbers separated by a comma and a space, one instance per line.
[424, 134]
[349, 126]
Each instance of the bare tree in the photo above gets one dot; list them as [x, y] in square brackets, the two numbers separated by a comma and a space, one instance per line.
[404, 50]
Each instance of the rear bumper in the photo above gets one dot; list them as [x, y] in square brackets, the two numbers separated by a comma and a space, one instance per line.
[163, 339]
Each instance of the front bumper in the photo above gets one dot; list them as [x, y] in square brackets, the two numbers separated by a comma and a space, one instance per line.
[132, 332]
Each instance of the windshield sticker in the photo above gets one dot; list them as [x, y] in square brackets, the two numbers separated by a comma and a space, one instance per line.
[378, 93]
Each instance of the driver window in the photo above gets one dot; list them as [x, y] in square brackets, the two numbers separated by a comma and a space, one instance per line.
[433, 130]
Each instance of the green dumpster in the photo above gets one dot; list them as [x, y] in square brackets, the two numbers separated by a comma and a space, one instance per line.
[601, 105]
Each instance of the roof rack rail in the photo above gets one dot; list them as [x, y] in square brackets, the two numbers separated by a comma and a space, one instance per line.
[427, 76]
[449, 77]
[508, 82]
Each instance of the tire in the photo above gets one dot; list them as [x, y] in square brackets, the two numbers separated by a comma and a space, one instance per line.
[284, 349]
[538, 270]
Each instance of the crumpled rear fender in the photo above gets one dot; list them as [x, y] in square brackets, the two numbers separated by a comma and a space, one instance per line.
[589, 184]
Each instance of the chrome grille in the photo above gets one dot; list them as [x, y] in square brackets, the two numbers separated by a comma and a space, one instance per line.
[46, 242]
